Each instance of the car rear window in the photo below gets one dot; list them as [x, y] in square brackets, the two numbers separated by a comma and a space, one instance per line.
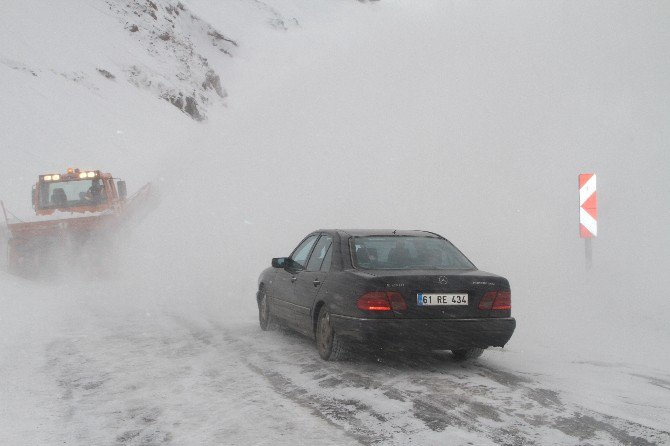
[406, 252]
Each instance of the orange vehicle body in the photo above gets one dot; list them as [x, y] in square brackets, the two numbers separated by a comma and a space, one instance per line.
[73, 209]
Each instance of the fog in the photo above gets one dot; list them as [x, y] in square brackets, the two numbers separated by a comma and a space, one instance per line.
[469, 120]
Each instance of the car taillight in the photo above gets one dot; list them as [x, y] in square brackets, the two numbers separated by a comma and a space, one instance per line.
[381, 301]
[496, 300]
[503, 301]
[486, 302]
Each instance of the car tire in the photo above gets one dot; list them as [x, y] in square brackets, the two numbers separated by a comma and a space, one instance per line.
[264, 314]
[467, 353]
[331, 347]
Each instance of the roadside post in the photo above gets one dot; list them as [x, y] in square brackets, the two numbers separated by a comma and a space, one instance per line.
[588, 214]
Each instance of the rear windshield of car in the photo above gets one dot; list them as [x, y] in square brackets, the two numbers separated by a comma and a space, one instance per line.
[406, 252]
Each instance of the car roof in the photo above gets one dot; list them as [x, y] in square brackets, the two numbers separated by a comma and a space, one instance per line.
[384, 232]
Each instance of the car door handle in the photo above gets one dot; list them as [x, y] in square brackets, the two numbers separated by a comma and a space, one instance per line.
[316, 282]
[294, 278]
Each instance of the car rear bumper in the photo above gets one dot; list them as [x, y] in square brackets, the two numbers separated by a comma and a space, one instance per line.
[446, 334]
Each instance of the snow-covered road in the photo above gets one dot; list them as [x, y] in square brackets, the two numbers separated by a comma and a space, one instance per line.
[119, 374]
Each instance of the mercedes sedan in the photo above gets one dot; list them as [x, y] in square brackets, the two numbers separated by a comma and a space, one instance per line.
[385, 289]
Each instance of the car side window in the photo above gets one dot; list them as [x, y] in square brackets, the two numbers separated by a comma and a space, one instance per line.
[319, 254]
[325, 266]
[300, 254]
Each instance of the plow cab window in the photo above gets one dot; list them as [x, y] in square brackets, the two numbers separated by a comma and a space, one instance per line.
[61, 194]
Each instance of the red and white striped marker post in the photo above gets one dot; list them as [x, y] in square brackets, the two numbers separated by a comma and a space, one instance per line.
[588, 213]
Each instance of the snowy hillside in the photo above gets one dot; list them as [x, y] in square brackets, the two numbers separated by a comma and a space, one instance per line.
[162, 49]
[261, 121]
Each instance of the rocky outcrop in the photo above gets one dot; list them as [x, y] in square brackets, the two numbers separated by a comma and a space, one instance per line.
[180, 43]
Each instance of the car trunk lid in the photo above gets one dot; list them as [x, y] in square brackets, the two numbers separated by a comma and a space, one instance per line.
[439, 294]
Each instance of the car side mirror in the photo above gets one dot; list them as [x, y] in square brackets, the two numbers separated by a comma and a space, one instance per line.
[123, 192]
[279, 262]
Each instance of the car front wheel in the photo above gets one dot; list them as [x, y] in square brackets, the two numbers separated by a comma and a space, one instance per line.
[330, 346]
[264, 314]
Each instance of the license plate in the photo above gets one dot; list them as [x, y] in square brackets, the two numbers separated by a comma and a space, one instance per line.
[432, 299]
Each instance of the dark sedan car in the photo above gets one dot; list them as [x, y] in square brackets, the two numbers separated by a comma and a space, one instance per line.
[385, 289]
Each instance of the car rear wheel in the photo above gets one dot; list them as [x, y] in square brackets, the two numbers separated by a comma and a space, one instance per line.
[330, 346]
[468, 353]
[264, 314]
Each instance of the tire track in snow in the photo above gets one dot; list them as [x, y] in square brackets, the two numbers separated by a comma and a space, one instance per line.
[427, 399]
[135, 382]
[91, 396]
[139, 384]
[220, 339]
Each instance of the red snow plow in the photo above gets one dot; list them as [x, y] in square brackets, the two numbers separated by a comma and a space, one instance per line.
[78, 211]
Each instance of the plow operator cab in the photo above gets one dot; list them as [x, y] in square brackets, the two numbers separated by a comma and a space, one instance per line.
[77, 191]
